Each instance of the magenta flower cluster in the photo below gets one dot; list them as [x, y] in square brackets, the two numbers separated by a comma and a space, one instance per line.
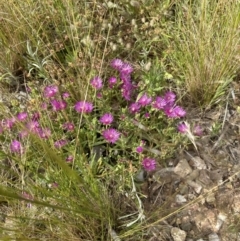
[16, 146]
[83, 107]
[137, 105]
[124, 69]
[97, 83]
[50, 91]
[31, 125]
[184, 128]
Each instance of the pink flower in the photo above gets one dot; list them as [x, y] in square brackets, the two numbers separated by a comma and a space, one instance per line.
[159, 103]
[69, 158]
[68, 126]
[60, 143]
[65, 95]
[58, 105]
[32, 125]
[111, 135]
[112, 81]
[169, 111]
[36, 116]
[50, 91]
[147, 115]
[106, 119]
[29, 197]
[117, 64]
[169, 97]
[197, 130]
[23, 133]
[144, 100]
[134, 108]
[83, 107]
[174, 111]
[43, 133]
[139, 149]
[99, 95]
[149, 164]
[16, 147]
[44, 106]
[180, 112]
[126, 78]
[182, 128]
[126, 69]
[22, 116]
[127, 91]
[8, 123]
[96, 82]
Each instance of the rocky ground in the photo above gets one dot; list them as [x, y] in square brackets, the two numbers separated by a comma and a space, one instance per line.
[201, 185]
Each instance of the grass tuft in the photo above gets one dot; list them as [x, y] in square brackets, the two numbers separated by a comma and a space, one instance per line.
[205, 46]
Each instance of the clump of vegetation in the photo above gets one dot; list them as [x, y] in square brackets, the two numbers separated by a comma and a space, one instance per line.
[100, 110]
[206, 47]
[65, 150]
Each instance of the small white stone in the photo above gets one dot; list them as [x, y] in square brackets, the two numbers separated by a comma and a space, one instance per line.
[178, 234]
[183, 169]
[213, 237]
[180, 199]
[199, 163]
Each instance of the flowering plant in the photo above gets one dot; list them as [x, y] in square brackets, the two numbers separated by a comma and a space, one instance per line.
[122, 121]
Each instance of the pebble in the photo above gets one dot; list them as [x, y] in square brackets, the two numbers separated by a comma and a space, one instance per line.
[213, 237]
[178, 234]
[180, 199]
